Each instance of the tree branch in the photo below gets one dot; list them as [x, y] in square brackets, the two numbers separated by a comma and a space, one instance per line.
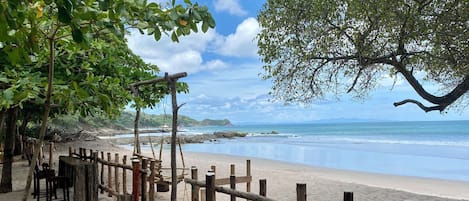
[423, 107]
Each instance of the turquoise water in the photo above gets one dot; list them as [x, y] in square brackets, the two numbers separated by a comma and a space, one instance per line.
[421, 149]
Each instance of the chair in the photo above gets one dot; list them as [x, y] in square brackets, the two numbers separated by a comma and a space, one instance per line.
[45, 173]
[52, 183]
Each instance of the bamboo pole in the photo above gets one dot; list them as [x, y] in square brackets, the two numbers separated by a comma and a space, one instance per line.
[135, 179]
[301, 192]
[124, 175]
[116, 173]
[109, 174]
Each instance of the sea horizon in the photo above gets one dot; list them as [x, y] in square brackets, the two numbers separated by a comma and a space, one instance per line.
[428, 149]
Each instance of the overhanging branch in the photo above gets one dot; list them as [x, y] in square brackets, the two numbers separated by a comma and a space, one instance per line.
[421, 105]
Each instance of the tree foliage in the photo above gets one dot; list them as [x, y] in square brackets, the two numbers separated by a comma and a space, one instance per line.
[316, 47]
[71, 55]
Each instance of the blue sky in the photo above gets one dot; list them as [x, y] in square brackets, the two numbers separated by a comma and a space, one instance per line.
[223, 76]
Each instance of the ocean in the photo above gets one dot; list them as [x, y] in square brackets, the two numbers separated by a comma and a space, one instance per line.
[437, 149]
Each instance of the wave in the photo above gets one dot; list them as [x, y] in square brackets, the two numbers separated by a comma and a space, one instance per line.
[288, 135]
[405, 142]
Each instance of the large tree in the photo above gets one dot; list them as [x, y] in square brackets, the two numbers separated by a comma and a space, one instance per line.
[315, 47]
[83, 43]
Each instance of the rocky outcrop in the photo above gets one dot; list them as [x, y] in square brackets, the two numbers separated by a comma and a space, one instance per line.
[184, 139]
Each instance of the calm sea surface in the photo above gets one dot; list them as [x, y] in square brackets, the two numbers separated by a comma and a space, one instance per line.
[421, 149]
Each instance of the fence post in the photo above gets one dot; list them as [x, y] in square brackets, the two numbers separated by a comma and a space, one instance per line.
[210, 186]
[102, 172]
[84, 155]
[300, 192]
[124, 175]
[135, 178]
[203, 193]
[109, 174]
[143, 180]
[213, 168]
[263, 187]
[195, 188]
[80, 153]
[248, 173]
[233, 186]
[151, 193]
[51, 154]
[70, 151]
[348, 196]
[116, 173]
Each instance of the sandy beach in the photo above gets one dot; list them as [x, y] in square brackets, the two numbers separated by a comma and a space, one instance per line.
[322, 183]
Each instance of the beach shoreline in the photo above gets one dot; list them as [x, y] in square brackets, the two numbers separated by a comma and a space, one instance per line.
[322, 183]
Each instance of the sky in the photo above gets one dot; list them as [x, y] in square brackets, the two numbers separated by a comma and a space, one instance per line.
[224, 77]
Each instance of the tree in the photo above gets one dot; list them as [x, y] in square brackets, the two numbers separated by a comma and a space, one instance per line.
[35, 35]
[312, 48]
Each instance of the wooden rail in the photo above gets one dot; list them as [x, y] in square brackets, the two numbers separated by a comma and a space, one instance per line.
[208, 187]
[145, 173]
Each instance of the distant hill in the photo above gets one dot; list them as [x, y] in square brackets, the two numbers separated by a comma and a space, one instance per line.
[126, 120]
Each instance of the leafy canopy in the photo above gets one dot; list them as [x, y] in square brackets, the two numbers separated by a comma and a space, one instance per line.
[93, 65]
[315, 47]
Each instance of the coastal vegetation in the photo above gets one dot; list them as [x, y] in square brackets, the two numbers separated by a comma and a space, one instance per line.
[314, 49]
[126, 120]
[66, 57]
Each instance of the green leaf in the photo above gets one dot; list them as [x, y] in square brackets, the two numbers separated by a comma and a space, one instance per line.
[173, 15]
[77, 35]
[157, 34]
[204, 27]
[64, 15]
[104, 5]
[174, 37]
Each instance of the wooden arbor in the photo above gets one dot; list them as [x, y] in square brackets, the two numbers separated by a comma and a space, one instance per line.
[171, 81]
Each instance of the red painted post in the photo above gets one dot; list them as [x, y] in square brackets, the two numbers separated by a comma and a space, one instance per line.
[135, 179]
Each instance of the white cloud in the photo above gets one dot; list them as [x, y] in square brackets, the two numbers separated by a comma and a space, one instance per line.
[232, 6]
[177, 57]
[242, 43]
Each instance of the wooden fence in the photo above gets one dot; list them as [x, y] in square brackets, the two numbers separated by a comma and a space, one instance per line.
[145, 174]
[211, 185]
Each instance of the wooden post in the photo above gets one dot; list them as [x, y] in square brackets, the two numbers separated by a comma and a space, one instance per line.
[151, 193]
[300, 192]
[248, 173]
[84, 155]
[210, 186]
[51, 154]
[203, 193]
[348, 196]
[195, 188]
[91, 155]
[213, 168]
[109, 174]
[143, 180]
[102, 172]
[135, 179]
[232, 169]
[116, 173]
[124, 175]
[80, 153]
[70, 151]
[232, 186]
[263, 187]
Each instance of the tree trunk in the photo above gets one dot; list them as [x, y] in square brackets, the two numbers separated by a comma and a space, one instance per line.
[45, 116]
[136, 133]
[175, 107]
[5, 184]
